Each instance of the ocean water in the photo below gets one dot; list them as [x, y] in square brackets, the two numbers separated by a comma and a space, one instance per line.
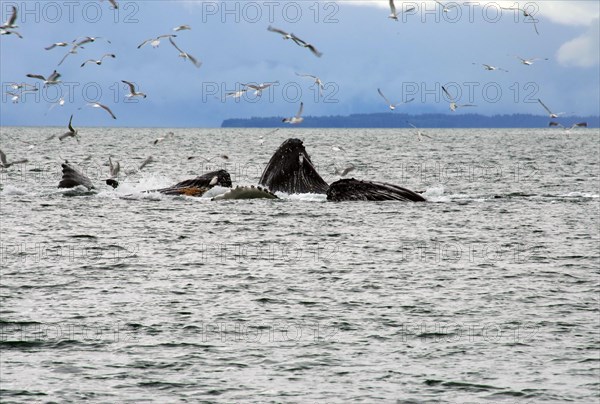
[488, 293]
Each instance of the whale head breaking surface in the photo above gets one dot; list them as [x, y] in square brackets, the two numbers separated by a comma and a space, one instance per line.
[349, 189]
[291, 170]
[199, 185]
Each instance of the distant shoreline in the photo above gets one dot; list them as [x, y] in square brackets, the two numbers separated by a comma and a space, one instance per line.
[393, 120]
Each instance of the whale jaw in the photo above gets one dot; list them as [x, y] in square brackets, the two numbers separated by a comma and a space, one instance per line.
[199, 185]
[356, 190]
[246, 192]
[290, 170]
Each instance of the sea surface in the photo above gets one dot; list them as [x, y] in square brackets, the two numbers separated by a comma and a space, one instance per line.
[487, 293]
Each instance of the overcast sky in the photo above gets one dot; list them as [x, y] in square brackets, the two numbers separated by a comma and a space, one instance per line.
[362, 50]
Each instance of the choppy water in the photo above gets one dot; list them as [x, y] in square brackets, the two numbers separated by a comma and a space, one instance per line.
[489, 293]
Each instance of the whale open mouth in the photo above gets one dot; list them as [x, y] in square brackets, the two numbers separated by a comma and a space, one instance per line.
[291, 170]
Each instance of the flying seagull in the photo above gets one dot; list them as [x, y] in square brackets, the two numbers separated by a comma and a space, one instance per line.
[133, 93]
[529, 62]
[181, 28]
[87, 39]
[60, 103]
[259, 88]
[98, 62]
[185, 55]
[575, 125]
[113, 169]
[236, 94]
[55, 44]
[295, 119]
[4, 31]
[71, 133]
[491, 68]
[317, 80]
[345, 171]
[104, 107]
[453, 105]
[160, 139]
[148, 160]
[77, 43]
[5, 164]
[10, 23]
[17, 86]
[114, 4]
[394, 14]
[525, 14]
[284, 34]
[16, 96]
[52, 79]
[446, 8]
[305, 44]
[296, 40]
[418, 132]
[156, 41]
[551, 114]
[390, 105]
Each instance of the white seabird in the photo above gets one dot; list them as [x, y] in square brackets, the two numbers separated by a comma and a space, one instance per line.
[390, 105]
[156, 41]
[10, 23]
[295, 119]
[525, 14]
[453, 105]
[394, 14]
[491, 68]
[317, 81]
[529, 62]
[52, 79]
[418, 132]
[185, 55]
[5, 164]
[133, 93]
[296, 40]
[99, 62]
[71, 133]
[446, 8]
[551, 114]
[104, 107]
[259, 88]
[55, 44]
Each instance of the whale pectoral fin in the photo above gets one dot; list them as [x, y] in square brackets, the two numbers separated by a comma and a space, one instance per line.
[72, 178]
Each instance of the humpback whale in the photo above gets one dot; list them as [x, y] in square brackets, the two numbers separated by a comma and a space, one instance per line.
[290, 170]
[349, 189]
[72, 178]
[199, 185]
[194, 187]
[246, 192]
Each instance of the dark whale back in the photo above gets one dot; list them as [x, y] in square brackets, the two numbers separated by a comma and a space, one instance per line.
[72, 178]
[356, 190]
[290, 170]
[197, 186]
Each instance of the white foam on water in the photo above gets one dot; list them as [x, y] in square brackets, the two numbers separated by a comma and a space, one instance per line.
[436, 194]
